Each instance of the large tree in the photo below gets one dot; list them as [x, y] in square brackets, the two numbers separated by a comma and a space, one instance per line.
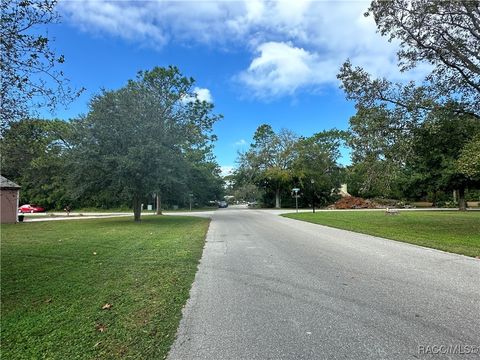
[135, 140]
[381, 142]
[268, 162]
[278, 162]
[437, 147]
[443, 34]
[316, 166]
[468, 162]
[34, 155]
[30, 77]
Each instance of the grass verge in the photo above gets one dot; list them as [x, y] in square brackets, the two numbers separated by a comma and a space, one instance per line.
[57, 276]
[452, 231]
[129, 210]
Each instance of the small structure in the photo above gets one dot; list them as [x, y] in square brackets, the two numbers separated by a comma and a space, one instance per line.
[343, 192]
[9, 196]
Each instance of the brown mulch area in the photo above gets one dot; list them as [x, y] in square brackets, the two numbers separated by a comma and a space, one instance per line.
[352, 202]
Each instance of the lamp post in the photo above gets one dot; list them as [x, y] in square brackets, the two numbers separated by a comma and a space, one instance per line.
[296, 190]
[190, 197]
[312, 181]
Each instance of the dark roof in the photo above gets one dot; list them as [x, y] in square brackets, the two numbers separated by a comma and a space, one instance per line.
[7, 184]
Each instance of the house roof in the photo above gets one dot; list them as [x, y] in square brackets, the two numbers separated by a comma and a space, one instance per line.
[7, 184]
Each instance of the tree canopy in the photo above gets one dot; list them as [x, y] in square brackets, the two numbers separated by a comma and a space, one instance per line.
[150, 138]
[34, 154]
[145, 137]
[444, 34]
[277, 162]
[30, 74]
[399, 126]
[468, 162]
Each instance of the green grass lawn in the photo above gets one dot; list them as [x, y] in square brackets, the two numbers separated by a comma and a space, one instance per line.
[453, 231]
[96, 209]
[56, 277]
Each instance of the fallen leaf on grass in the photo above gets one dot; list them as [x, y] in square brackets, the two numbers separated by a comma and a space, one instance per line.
[107, 306]
[48, 301]
[122, 351]
[100, 327]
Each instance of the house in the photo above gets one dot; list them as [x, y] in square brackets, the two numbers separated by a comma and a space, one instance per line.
[9, 196]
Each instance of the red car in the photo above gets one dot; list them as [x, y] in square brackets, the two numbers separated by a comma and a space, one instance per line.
[30, 208]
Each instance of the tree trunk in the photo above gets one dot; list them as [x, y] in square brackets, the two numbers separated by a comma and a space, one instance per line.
[462, 205]
[277, 198]
[159, 204]
[137, 208]
[434, 199]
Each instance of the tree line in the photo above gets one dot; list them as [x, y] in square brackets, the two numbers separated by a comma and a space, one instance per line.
[408, 140]
[432, 160]
[277, 162]
[31, 75]
[150, 138]
[420, 138]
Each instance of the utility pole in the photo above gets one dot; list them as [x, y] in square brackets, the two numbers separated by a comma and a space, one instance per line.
[313, 194]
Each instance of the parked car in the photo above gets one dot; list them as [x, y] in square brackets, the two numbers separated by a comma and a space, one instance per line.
[222, 204]
[30, 208]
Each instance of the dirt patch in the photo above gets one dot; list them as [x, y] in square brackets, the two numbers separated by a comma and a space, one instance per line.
[352, 202]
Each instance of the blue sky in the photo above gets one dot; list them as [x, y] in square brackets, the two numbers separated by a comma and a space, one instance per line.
[259, 62]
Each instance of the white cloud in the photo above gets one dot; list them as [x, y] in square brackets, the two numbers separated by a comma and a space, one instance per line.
[130, 20]
[281, 68]
[226, 170]
[295, 45]
[240, 142]
[203, 94]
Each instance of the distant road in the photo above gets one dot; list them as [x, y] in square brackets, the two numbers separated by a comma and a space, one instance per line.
[52, 216]
[275, 288]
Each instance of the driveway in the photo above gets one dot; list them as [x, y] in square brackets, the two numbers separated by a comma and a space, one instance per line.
[275, 288]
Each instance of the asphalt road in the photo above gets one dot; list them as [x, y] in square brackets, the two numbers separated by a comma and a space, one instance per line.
[275, 288]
